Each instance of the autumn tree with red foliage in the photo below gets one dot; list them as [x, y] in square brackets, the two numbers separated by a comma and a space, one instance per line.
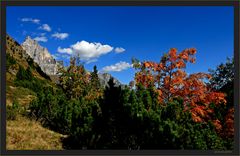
[170, 81]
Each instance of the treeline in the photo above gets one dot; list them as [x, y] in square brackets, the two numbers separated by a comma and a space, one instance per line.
[149, 116]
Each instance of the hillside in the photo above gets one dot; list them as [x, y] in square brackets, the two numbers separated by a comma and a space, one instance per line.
[22, 132]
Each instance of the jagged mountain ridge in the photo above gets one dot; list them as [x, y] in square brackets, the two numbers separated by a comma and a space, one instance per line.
[49, 65]
[41, 56]
[105, 77]
[15, 50]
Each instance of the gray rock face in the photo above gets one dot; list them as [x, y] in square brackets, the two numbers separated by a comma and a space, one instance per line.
[41, 56]
[105, 77]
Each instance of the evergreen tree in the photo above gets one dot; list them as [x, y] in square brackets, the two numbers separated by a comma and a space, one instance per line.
[94, 79]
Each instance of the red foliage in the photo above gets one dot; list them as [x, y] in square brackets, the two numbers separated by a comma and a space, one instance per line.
[229, 122]
[170, 80]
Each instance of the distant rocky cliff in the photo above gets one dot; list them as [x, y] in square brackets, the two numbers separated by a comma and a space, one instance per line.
[49, 65]
[105, 77]
[41, 56]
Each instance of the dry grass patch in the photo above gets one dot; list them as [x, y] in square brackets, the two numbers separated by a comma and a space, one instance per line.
[23, 95]
[26, 134]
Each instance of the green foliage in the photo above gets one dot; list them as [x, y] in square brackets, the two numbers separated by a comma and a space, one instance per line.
[9, 61]
[95, 83]
[35, 84]
[23, 74]
[223, 79]
[30, 62]
[122, 118]
[24, 78]
[73, 80]
[13, 111]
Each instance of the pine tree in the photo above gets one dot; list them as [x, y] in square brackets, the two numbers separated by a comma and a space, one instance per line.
[94, 79]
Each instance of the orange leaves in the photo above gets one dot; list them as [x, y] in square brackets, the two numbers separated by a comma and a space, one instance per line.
[216, 98]
[172, 81]
[145, 79]
[160, 95]
[192, 60]
[167, 80]
[217, 125]
[196, 118]
[200, 111]
[192, 51]
[147, 64]
[180, 64]
[185, 57]
[173, 54]
[229, 122]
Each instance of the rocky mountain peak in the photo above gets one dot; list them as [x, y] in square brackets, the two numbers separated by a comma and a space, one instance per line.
[105, 77]
[41, 56]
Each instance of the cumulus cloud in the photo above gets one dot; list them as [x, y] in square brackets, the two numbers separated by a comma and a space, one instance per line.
[88, 51]
[119, 49]
[117, 67]
[65, 50]
[36, 21]
[41, 39]
[45, 27]
[60, 36]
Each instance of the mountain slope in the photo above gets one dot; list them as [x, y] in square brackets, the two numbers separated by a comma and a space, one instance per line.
[17, 56]
[23, 133]
[41, 56]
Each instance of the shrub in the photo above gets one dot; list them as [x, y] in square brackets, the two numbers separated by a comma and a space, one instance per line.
[9, 61]
[12, 111]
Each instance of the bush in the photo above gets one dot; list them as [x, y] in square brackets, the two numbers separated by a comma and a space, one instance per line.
[9, 61]
[122, 119]
[13, 111]
[35, 84]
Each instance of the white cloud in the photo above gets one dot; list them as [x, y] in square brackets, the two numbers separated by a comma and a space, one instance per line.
[88, 51]
[45, 27]
[91, 61]
[36, 21]
[60, 36]
[117, 67]
[41, 39]
[119, 50]
[65, 50]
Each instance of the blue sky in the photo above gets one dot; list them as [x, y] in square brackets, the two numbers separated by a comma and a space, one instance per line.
[110, 36]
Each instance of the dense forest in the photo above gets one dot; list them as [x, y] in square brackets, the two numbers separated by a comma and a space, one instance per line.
[162, 108]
